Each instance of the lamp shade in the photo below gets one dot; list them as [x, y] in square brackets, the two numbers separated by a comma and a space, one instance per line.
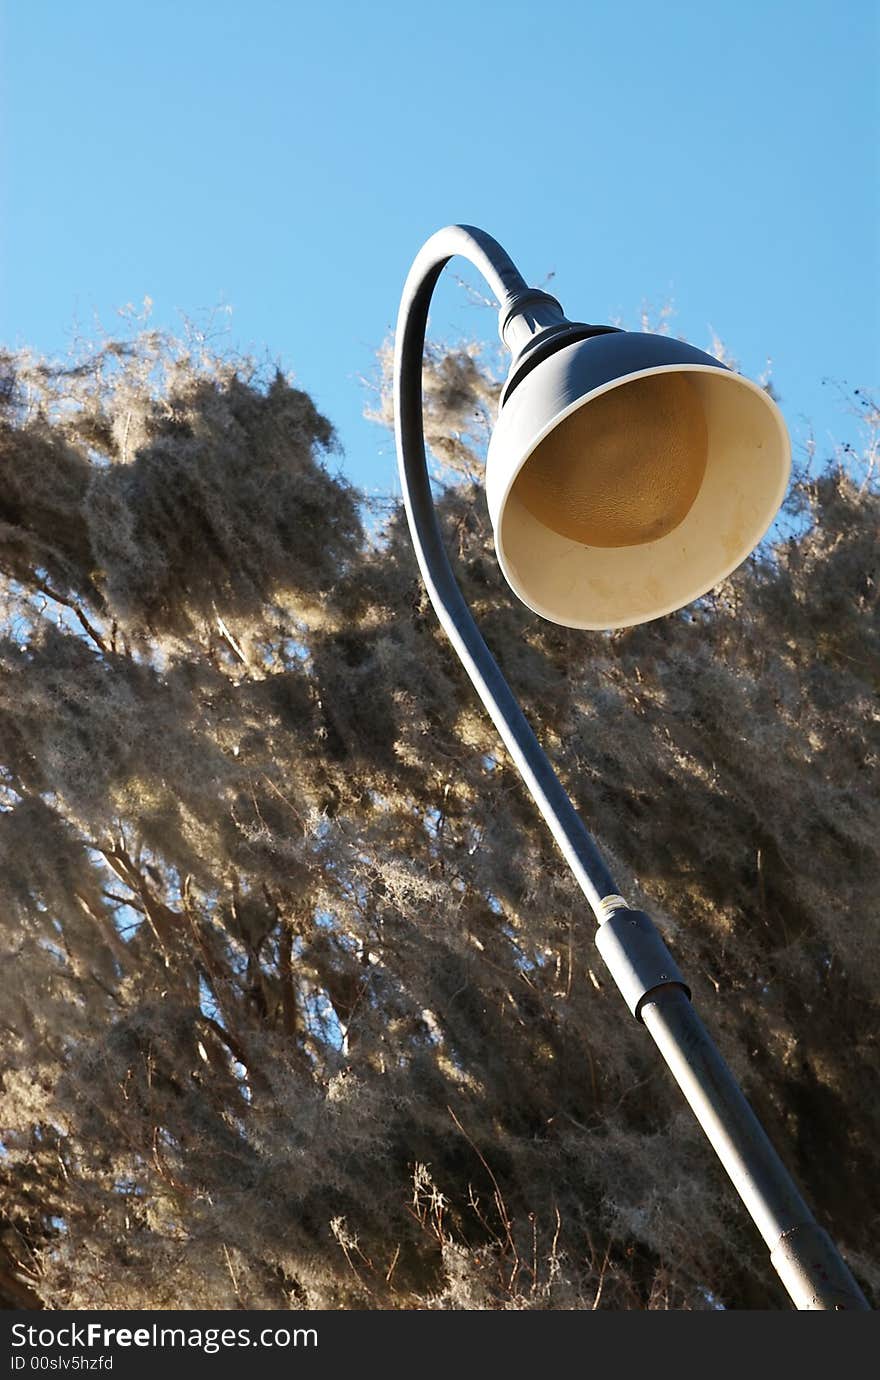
[627, 475]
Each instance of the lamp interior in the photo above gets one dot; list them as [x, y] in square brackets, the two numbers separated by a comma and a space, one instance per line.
[624, 470]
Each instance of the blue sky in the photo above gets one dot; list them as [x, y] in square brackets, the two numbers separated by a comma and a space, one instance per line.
[287, 161]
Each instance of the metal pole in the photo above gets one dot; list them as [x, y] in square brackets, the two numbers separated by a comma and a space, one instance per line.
[801, 1252]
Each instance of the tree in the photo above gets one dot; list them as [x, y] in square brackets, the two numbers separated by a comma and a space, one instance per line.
[301, 1008]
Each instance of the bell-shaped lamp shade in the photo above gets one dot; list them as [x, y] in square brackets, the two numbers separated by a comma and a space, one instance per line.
[627, 475]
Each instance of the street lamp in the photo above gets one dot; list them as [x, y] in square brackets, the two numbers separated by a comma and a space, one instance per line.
[627, 475]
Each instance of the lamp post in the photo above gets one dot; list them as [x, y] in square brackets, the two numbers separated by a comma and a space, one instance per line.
[627, 475]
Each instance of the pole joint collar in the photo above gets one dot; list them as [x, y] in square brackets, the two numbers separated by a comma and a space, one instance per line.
[815, 1276]
[635, 954]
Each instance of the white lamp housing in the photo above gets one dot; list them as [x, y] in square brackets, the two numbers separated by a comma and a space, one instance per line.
[627, 475]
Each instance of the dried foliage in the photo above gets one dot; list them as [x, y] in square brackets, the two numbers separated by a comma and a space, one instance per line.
[300, 1007]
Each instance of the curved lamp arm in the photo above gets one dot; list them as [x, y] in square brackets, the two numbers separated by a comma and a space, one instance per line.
[508, 285]
[802, 1253]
